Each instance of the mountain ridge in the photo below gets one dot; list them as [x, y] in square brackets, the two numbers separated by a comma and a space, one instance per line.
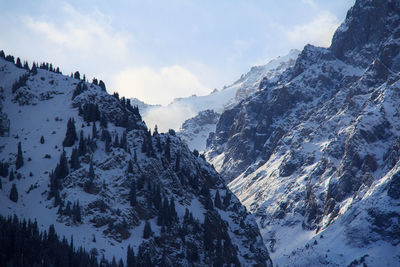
[92, 168]
[309, 153]
[196, 136]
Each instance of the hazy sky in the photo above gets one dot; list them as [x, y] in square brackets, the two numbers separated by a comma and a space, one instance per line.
[159, 50]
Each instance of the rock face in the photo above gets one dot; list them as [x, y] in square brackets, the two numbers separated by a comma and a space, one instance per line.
[316, 149]
[195, 131]
[250, 82]
[117, 185]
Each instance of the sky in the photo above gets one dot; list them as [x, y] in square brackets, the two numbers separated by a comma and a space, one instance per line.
[158, 50]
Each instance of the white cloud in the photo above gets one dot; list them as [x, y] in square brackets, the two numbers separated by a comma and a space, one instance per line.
[318, 32]
[309, 2]
[88, 36]
[157, 87]
[170, 117]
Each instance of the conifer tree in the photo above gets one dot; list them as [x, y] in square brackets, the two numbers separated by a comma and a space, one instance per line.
[55, 186]
[19, 83]
[147, 230]
[130, 258]
[24, 245]
[129, 169]
[113, 262]
[186, 216]
[144, 146]
[227, 199]
[217, 200]
[14, 193]
[74, 161]
[51, 234]
[82, 145]
[70, 135]
[89, 184]
[20, 161]
[3, 169]
[91, 174]
[11, 176]
[90, 112]
[132, 195]
[61, 170]
[208, 203]
[205, 191]
[103, 121]
[26, 66]
[158, 143]
[207, 233]
[1, 184]
[178, 162]
[34, 69]
[122, 143]
[77, 75]
[219, 260]
[60, 209]
[107, 145]
[116, 142]
[10, 58]
[168, 150]
[94, 131]
[76, 212]
[102, 85]
[157, 197]
[18, 63]
[172, 208]
[80, 88]
[42, 140]
[67, 210]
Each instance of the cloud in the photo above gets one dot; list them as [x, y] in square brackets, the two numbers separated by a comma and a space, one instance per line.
[88, 36]
[318, 32]
[309, 2]
[158, 87]
[170, 117]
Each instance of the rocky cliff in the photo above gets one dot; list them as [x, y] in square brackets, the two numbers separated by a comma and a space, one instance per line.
[315, 155]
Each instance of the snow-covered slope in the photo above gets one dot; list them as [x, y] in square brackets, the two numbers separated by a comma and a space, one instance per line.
[196, 130]
[240, 89]
[143, 107]
[315, 154]
[197, 134]
[250, 82]
[121, 178]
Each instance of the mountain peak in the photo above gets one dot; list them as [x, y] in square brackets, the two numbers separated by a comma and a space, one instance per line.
[313, 154]
[367, 25]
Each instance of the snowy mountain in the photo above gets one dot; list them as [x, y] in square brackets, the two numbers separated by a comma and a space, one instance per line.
[143, 107]
[197, 134]
[83, 160]
[315, 153]
[240, 89]
[196, 130]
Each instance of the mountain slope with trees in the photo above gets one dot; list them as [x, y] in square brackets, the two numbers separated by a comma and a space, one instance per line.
[83, 160]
